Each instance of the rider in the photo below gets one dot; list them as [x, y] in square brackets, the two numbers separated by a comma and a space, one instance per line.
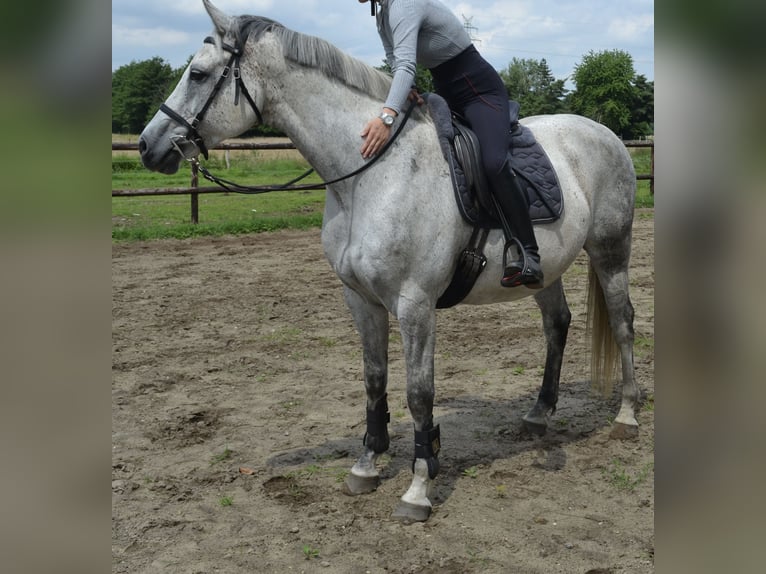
[426, 32]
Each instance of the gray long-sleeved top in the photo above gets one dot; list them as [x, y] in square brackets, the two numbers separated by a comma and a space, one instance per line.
[413, 32]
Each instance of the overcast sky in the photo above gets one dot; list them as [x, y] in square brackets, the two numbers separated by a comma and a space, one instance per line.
[560, 31]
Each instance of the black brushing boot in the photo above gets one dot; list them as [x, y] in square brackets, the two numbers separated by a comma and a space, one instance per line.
[515, 215]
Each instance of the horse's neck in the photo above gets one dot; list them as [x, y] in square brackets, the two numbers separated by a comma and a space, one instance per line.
[323, 119]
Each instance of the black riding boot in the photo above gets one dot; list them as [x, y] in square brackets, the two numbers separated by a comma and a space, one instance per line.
[515, 207]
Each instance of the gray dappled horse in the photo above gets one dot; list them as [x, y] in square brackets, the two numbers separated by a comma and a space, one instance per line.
[393, 233]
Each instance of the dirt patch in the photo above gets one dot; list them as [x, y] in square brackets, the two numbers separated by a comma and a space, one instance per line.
[238, 408]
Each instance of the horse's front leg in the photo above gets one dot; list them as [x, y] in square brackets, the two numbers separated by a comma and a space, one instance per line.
[418, 328]
[372, 323]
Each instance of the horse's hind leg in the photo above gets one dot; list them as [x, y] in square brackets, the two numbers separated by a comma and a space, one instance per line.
[610, 265]
[556, 319]
[372, 323]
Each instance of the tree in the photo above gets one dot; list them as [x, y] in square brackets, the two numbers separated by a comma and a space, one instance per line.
[138, 89]
[604, 89]
[642, 110]
[423, 80]
[531, 83]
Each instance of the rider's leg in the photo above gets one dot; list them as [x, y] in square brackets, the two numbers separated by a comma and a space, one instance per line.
[515, 206]
[490, 122]
[473, 88]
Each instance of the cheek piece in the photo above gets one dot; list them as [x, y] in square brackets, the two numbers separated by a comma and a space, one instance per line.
[192, 144]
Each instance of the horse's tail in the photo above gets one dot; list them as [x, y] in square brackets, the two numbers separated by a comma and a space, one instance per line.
[604, 350]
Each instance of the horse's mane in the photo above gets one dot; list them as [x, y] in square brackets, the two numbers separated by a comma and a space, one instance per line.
[316, 53]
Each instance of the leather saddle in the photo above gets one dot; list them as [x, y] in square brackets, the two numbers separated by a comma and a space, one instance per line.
[527, 158]
[462, 151]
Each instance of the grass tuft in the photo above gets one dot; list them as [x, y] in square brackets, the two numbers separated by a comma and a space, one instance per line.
[471, 472]
[620, 478]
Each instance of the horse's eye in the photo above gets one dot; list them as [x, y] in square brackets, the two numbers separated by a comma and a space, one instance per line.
[197, 75]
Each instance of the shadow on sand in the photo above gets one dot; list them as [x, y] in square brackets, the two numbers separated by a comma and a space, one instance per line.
[477, 431]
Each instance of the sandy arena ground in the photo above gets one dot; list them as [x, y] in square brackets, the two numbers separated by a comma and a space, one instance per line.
[238, 407]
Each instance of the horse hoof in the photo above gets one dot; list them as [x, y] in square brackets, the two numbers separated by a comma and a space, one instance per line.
[355, 485]
[407, 512]
[621, 431]
[534, 427]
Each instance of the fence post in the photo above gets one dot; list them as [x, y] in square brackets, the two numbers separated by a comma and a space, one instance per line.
[194, 196]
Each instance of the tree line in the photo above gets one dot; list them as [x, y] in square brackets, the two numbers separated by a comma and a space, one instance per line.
[607, 89]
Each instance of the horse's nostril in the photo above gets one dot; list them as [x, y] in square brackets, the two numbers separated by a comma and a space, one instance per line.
[142, 145]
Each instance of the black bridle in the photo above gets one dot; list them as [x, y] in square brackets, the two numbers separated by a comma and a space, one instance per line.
[192, 137]
[192, 144]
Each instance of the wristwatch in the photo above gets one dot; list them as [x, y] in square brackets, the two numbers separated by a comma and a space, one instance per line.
[388, 119]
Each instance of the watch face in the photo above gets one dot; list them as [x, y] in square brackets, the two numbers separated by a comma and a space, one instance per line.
[388, 120]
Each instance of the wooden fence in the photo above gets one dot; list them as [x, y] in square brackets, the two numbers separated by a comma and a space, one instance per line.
[194, 190]
[645, 176]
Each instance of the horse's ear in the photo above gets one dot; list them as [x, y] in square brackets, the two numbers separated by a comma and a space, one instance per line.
[220, 20]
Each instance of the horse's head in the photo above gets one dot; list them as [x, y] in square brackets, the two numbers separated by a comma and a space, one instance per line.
[204, 108]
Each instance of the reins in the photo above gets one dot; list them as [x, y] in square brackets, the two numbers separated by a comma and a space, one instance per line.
[290, 185]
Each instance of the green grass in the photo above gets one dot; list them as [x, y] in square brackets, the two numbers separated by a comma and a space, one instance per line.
[249, 168]
[471, 472]
[284, 336]
[622, 479]
[225, 455]
[314, 470]
[169, 216]
[643, 345]
[642, 159]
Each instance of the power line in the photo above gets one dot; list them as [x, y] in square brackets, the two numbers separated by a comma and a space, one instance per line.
[470, 28]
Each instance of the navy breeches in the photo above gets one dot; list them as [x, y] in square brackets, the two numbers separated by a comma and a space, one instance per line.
[474, 90]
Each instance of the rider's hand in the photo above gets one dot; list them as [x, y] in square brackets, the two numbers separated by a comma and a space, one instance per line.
[414, 96]
[375, 135]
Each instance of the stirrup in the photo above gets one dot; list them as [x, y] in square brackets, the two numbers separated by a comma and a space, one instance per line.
[518, 279]
[519, 273]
